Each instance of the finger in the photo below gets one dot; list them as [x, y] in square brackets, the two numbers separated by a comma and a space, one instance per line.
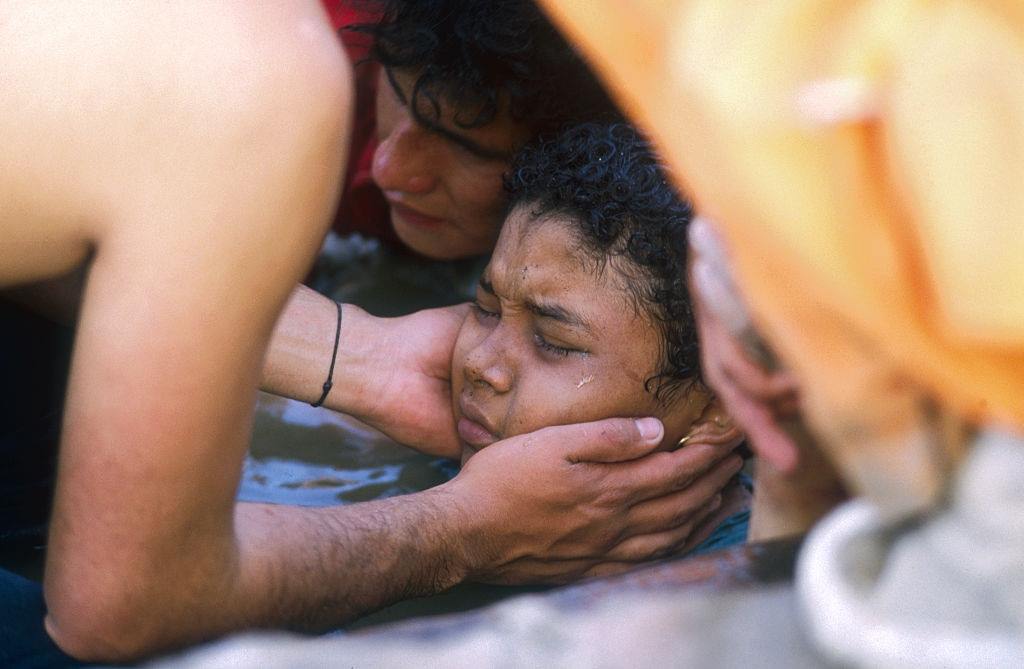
[748, 375]
[604, 569]
[765, 435]
[662, 544]
[674, 509]
[663, 473]
[786, 407]
[718, 298]
[534, 572]
[728, 361]
[605, 441]
[754, 380]
[705, 242]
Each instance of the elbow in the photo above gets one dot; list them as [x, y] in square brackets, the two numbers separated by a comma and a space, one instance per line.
[103, 627]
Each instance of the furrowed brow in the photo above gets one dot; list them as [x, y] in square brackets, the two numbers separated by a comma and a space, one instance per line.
[560, 314]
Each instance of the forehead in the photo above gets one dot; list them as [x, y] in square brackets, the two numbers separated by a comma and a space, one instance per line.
[543, 258]
[498, 139]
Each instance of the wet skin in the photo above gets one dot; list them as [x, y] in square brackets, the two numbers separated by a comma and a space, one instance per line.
[444, 187]
[551, 340]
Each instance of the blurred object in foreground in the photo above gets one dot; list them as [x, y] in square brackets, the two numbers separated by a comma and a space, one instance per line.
[862, 160]
[787, 500]
[947, 592]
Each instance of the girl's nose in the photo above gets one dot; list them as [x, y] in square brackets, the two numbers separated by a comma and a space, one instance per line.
[487, 365]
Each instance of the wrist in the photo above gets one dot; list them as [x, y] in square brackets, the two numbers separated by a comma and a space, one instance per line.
[474, 539]
[354, 362]
[299, 355]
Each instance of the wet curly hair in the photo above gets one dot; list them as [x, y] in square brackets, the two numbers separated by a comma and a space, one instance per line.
[483, 55]
[608, 184]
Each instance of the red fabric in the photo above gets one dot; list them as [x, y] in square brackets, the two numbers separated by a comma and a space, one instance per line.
[362, 208]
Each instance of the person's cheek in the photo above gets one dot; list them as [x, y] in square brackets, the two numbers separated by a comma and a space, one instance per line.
[537, 401]
[463, 344]
[480, 198]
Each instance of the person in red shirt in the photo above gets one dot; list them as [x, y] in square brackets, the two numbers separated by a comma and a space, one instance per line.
[446, 93]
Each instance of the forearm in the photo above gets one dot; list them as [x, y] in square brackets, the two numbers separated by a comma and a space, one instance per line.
[313, 569]
[305, 569]
[299, 356]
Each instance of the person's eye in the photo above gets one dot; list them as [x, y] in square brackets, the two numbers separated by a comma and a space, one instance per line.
[483, 313]
[555, 349]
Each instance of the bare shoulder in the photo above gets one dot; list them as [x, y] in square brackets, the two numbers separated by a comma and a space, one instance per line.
[112, 99]
[258, 58]
[91, 45]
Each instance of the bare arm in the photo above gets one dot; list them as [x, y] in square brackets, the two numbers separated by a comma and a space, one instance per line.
[202, 193]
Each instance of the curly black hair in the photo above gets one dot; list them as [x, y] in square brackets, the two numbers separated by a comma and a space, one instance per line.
[481, 56]
[611, 188]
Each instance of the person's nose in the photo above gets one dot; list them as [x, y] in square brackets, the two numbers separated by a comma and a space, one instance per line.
[406, 160]
[488, 365]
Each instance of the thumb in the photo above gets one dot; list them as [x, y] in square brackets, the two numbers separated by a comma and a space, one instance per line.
[608, 440]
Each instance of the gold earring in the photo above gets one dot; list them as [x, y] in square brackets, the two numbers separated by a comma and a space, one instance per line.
[679, 444]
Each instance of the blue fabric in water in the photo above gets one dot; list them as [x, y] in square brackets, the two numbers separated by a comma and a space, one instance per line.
[732, 532]
[24, 643]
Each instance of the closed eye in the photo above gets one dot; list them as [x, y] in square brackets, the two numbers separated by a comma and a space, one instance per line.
[555, 349]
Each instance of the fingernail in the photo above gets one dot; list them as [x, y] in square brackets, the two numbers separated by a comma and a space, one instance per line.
[737, 463]
[716, 502]
[650, 429]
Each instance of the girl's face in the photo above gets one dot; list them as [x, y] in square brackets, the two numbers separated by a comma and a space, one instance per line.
[552, 340]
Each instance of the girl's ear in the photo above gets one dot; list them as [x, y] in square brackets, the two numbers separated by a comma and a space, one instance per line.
[713, 425]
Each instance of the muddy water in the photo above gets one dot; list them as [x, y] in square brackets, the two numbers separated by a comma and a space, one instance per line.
[314, 457]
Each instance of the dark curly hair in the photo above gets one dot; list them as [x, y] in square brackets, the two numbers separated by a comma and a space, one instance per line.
[483, 55]
[608, 183]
